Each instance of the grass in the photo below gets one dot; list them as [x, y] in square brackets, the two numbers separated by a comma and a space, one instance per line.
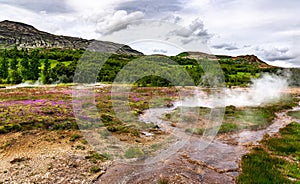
[228, 127]
[74, 137]
[294, 114]
[95, 157]
[235, 118]
[95, 169]
[288, 144]
[134, 152]
[163, 181]
[10, 128]
[275, 161]
[195, 131]
[114, 125]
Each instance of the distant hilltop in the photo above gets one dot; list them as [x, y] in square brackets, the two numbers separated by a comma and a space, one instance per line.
[26, 36]
[250, 59]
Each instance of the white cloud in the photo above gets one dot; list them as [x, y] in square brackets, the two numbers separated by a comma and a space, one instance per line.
[194, 32]
[265, 23]
[118, 21]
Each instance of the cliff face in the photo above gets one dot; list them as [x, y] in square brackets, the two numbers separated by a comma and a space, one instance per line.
[26, 36]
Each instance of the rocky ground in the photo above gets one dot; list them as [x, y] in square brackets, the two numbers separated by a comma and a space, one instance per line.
[47, 157]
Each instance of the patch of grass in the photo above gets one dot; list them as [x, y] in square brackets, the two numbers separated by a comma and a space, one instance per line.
[155, 146]
[228, 127]
[104, 133]
[94, 157]
[10, 128]
[74, 137]
[163, 181]
[95, 169]
[235, 118]
[288, 144]
[114, 125]
[247, 117]
[84, 142]
[196, 131]
[134, 152]
[294, 114]
[254, 117]
[267, 163]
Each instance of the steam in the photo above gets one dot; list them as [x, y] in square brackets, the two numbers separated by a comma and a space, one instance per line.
[25, 84]
[264, 90]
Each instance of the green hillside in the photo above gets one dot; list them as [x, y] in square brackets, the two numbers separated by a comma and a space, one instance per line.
[59, 65]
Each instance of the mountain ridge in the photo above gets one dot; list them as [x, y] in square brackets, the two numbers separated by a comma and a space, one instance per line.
[26, 36]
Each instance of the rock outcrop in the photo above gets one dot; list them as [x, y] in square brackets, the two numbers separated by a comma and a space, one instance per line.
[250, 59]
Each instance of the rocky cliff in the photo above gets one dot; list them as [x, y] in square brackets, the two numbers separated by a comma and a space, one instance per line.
[26, 36]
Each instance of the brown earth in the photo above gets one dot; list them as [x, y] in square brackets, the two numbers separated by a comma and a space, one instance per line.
[40, 156]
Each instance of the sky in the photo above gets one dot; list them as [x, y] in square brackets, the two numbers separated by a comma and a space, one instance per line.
[269, 29]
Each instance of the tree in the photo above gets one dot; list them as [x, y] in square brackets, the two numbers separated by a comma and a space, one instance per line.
[34, 65]
[4, 66]
[46, 71]
[25, 65]
[14, 74]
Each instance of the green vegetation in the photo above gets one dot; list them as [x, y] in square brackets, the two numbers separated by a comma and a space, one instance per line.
[163, 181]
[50, 108]
[195, 120]
[287, 144]
[59, 65]
[113, 124]
[46, 65]
[74, 137]
[275, 161]
[95, 169]
[294, 114]
[10, 128]
[94, 157]
[134, 152]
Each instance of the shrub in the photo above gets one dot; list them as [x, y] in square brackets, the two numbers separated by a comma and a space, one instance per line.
[95, 169]
[134, 153]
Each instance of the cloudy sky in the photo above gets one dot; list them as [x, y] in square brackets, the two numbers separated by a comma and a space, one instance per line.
[269, 29]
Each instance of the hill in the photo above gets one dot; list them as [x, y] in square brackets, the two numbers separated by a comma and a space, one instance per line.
[248, 59]
[26, 36]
